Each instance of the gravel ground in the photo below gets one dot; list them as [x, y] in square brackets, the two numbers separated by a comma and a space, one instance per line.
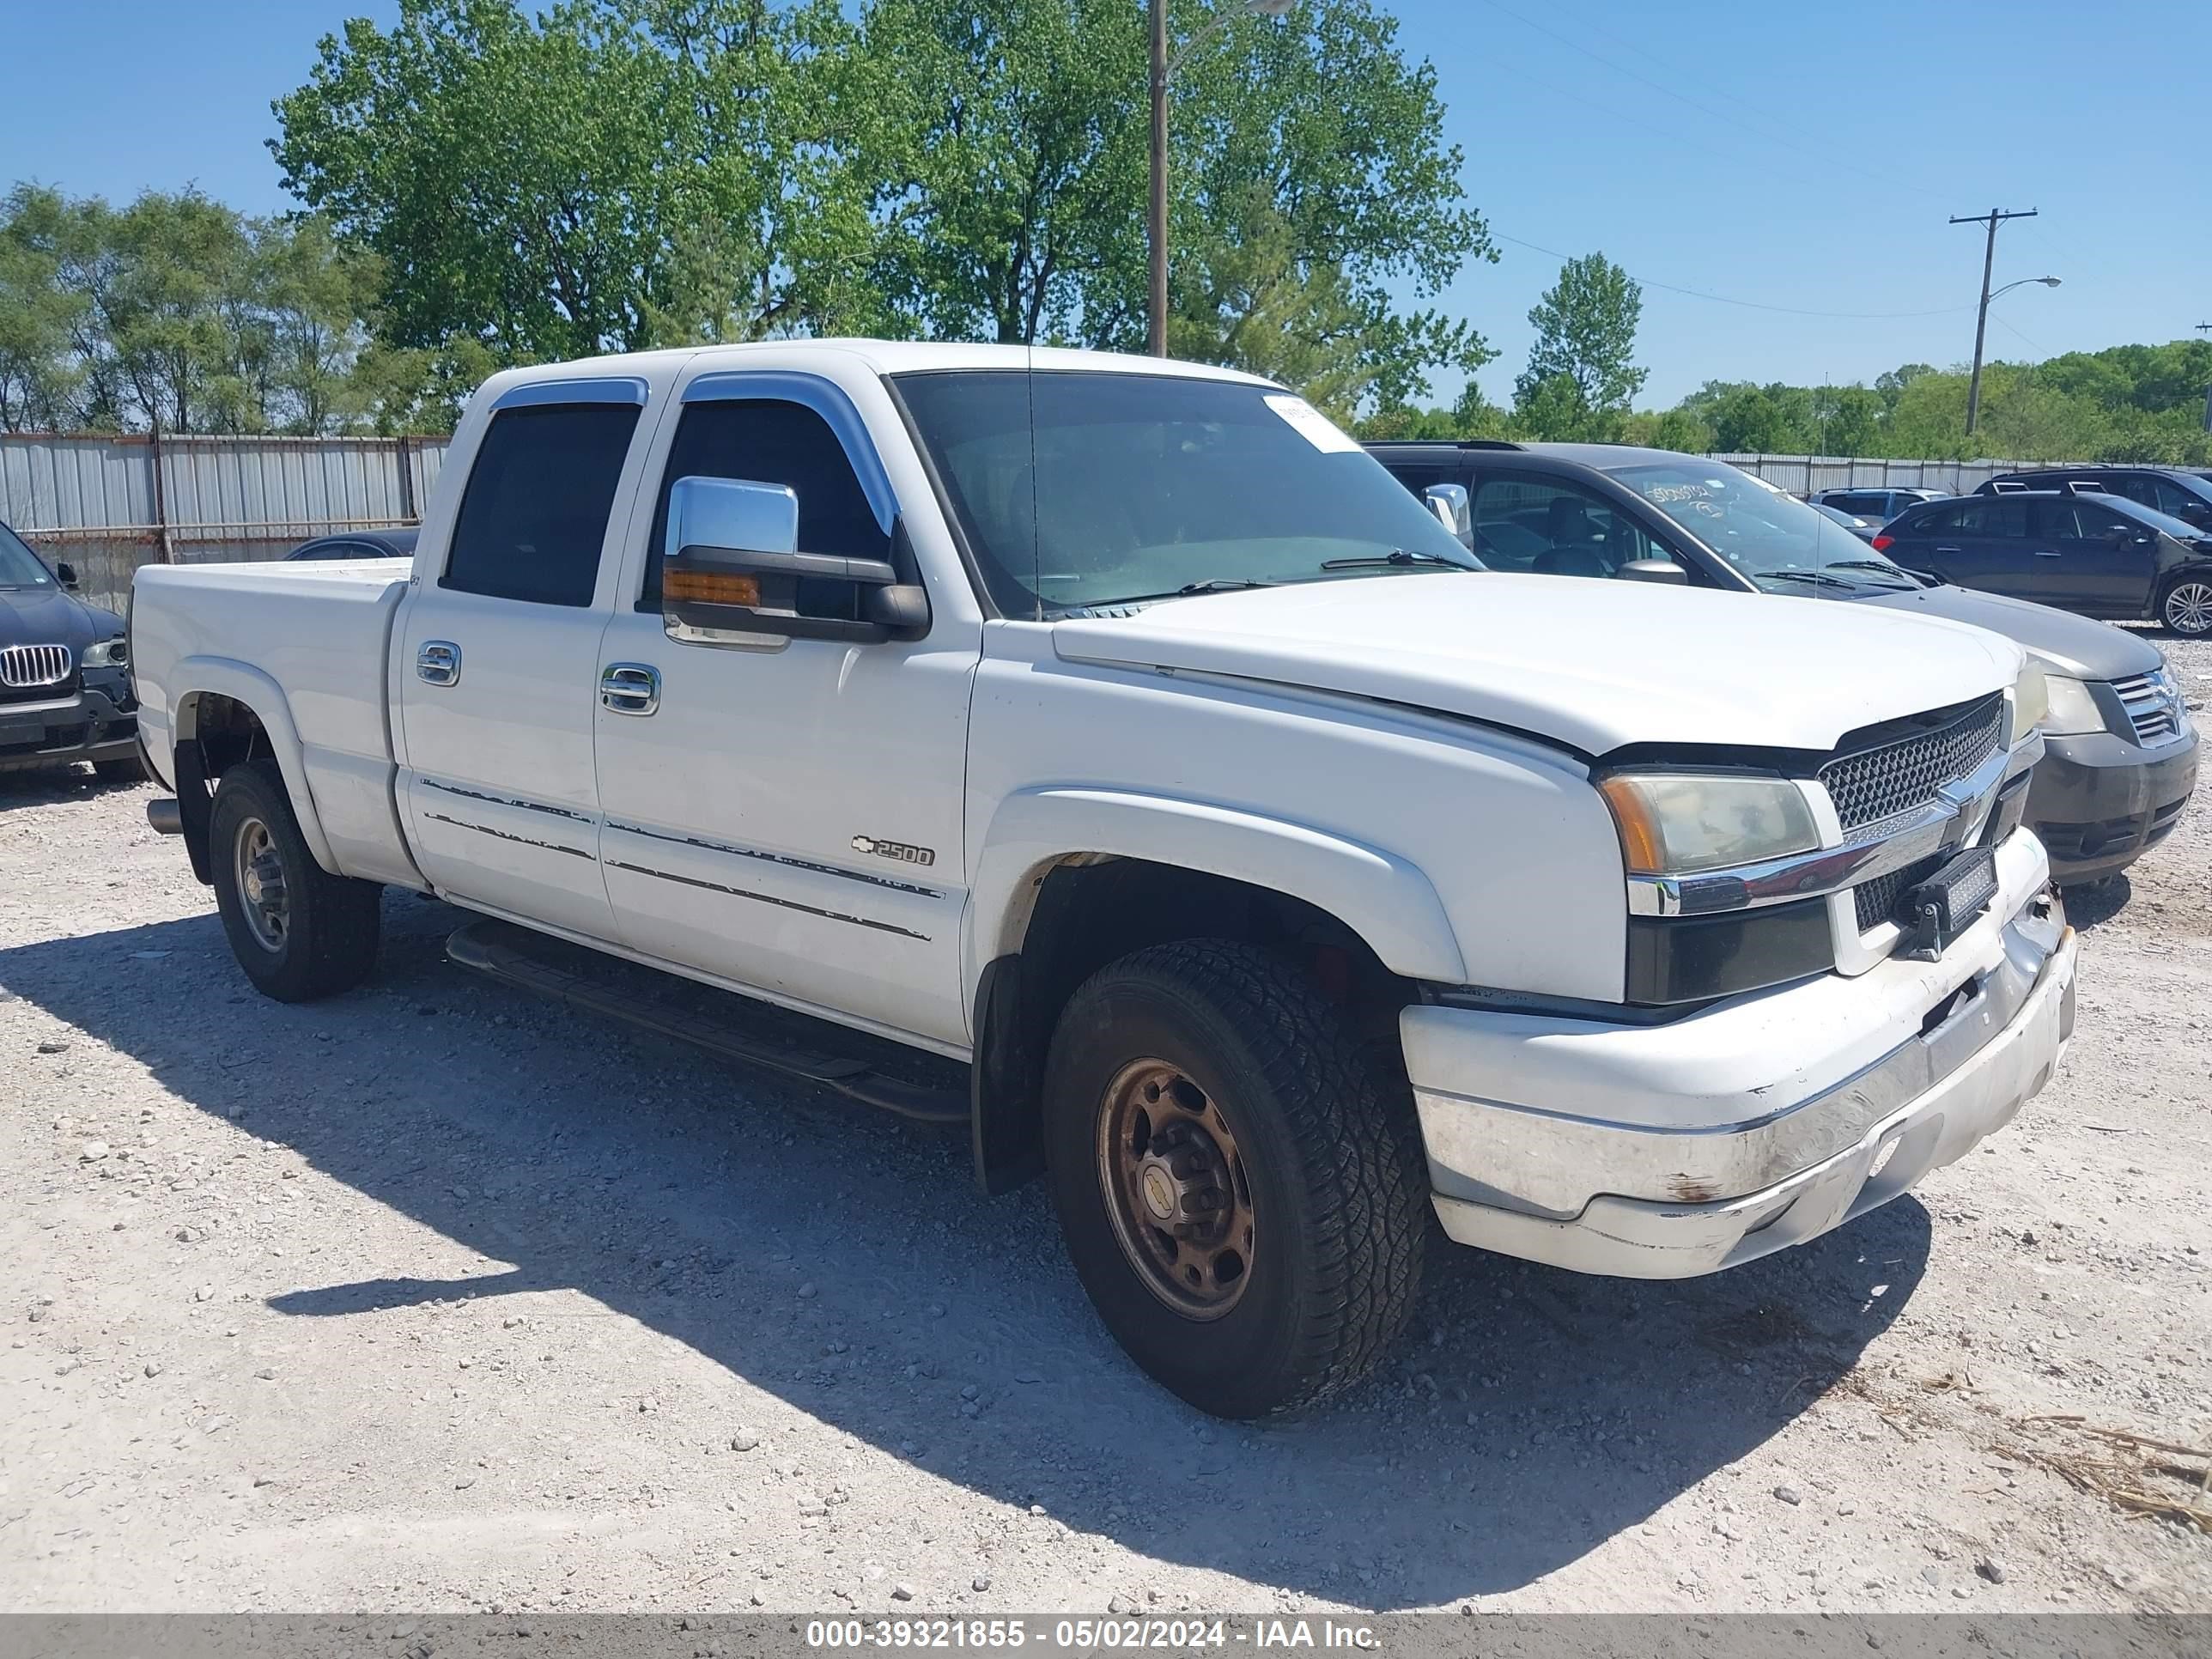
[437, 1298]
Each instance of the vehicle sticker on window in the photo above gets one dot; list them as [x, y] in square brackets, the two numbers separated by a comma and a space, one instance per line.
[1309, 423]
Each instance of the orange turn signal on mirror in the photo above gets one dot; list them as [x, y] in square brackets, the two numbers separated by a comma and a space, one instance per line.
[1642, 846]
[709, 587]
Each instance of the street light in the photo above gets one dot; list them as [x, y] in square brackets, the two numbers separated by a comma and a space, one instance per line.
[1164, 69]
[1974, 385]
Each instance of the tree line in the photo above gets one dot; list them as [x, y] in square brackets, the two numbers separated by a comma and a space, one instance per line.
[2134, 403]
[484, 185]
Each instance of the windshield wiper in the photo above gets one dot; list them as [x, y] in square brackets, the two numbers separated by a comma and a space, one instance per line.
[1882, 565]
[1396, 556]
[1812, 576]
[1210, 585]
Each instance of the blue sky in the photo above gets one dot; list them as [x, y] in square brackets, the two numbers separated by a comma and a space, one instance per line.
[1803, 156]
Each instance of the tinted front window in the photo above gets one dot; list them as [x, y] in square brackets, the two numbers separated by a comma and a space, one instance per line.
[1075, 488]
[767, 440]
[19, 566]
[534, 517]
[1775, 539]
[1551, 528]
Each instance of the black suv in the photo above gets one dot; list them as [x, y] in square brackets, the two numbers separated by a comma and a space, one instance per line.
[2178, 494]
[65, 672]
[2120, 758]
[2081, 549]
[1881, 505]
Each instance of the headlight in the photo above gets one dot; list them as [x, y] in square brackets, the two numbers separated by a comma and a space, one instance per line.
[2073, 710]
[108, 653]
[2031, 701]
[1677, 824]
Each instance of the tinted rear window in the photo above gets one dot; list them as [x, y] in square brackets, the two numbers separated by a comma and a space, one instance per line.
[534, 517]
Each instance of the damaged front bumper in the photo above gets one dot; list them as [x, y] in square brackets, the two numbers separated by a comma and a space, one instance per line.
[1673, 1150]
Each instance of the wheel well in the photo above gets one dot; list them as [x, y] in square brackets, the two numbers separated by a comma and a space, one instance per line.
[215, 733]
[1087, 911]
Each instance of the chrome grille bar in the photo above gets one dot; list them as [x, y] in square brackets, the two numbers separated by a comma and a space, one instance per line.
[27, 667]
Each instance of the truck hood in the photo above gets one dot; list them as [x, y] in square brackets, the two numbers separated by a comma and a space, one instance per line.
[1594, 666]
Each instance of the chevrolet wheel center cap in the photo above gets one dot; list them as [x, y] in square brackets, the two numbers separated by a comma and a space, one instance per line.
[1159, 1193]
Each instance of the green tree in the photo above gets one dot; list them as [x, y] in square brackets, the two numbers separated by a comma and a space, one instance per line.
[1582, 374]
[1310, 174]
[600, 177]
[40, 378]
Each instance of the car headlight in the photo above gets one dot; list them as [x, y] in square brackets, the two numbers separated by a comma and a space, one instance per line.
[1675, 823]
[2031, 700]
[2074, 711]
[108, 653]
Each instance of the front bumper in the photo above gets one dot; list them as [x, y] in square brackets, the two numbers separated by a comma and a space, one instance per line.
[95, 722]
[1665, 1151]
[2100, 802]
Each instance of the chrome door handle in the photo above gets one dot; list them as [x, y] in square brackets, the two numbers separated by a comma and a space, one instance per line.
[438, 662]
[2042, 553]
[630, 688]
[1940, 549]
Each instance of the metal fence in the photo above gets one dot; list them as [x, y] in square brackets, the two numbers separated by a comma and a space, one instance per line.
[108, 503]
[1803, 474]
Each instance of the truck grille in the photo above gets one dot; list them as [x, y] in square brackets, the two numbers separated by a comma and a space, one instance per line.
[34, 667]
[1874, 784]
[2153, 709]
[1877, 901]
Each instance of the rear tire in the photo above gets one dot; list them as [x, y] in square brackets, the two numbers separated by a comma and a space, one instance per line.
[2186, 606]
[299, 932]
[1245, 1200]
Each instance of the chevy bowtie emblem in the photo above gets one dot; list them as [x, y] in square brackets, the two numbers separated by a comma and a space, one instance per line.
[898, 850]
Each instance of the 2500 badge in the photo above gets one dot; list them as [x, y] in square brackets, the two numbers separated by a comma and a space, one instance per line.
[898, 851]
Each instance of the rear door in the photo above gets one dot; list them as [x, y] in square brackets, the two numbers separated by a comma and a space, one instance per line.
[1977, 541]
[498, 664]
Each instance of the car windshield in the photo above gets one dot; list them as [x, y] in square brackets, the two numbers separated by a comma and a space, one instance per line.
[19, 566]
[1773, 538]
[1077, 489]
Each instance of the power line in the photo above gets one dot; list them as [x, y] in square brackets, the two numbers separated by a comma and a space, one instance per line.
[1748, 305]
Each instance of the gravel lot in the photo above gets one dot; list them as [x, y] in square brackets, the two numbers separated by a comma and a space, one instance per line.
[436, 1298]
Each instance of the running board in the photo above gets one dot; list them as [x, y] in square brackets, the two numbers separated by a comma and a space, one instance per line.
[672, 1006]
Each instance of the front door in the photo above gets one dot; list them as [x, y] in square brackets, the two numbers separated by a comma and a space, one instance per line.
[499, 663]
[788, 814]
[2101, 562]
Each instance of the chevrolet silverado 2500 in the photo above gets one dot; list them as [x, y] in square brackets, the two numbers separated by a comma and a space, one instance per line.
[1118, 731]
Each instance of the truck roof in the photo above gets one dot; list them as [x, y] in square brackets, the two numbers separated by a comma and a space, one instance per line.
[902, 357]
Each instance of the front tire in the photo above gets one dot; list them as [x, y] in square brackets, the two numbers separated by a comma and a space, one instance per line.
[1245, 1200]
[2187, 607]
[299, 932]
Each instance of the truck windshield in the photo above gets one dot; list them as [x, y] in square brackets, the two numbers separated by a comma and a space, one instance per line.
[1770, 537]
[1077, 489]
[19, 566]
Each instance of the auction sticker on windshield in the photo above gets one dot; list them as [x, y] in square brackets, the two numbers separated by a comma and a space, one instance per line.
[1315, 428]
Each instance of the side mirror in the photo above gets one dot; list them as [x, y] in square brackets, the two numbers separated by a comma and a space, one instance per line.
[65, 574]
[1664, 572]
[1448, 502]
[731, 562]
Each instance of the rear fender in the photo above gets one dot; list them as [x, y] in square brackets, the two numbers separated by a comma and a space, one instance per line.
[245, 685]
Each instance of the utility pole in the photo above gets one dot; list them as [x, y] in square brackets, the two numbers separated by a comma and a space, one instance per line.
[2206, 328]
[1156, 209]
[1993, 218]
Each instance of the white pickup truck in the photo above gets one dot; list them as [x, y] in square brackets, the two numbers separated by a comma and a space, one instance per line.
[1118, 731]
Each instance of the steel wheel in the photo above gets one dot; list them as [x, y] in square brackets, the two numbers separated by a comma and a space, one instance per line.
[266, 907]
[1175, 1188]
[2189, 607]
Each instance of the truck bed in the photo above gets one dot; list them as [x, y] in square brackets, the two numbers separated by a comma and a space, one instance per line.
[308, 645]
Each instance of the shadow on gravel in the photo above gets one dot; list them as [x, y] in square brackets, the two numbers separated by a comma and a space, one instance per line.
[2098, 903]
[1527, 1416]
[49, 786]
